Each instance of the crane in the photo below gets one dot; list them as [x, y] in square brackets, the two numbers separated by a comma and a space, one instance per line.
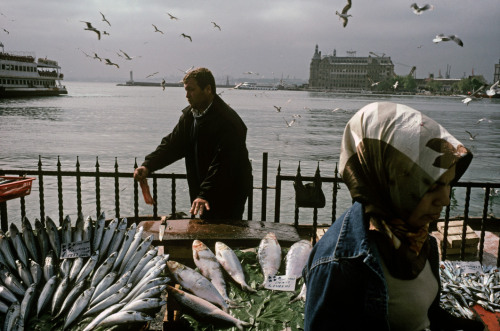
[372, 53]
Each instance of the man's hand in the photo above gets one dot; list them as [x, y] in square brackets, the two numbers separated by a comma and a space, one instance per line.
[199, 206]
[141, 173]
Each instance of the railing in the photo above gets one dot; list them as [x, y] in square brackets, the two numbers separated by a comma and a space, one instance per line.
[484, 222]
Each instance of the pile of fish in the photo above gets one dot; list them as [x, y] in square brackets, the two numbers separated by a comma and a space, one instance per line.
[461, 290]
[120, 282]
[204, 292]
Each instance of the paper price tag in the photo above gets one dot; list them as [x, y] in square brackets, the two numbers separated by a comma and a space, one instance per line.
[469, 267]
[281, 283]
[75, 249]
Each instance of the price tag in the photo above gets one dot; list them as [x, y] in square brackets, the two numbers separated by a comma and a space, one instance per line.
[469, 267]
[281, 283]
[75, 249]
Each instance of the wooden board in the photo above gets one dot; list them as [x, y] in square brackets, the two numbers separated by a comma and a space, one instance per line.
[455, 230]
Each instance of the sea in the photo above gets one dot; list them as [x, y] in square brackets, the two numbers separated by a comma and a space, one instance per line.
[119, 125]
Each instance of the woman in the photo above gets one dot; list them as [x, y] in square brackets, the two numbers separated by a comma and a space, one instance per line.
[377, 267]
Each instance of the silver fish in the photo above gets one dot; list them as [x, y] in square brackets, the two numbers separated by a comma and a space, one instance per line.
[151, 292]
[36, 272]
[28, 301]
[127, 240]
[75, 291]
[76, 267]
[12, 315]
[30, 240]
[43, 240]
[121, 282]
[230, 262]
[3, 307]
[7, 252]
[124, 317]
[65, 267]
[7, 294]
[296, 258]
[54, 238]
[157, 261]
[118, 236]
[24, 273]
[109, 231]
[144, 304]
[103, 269]
[46, 295]
[104, 284]
[105, 313]
[87, 230]
[98, 232]
[196, 283]
[205, 309]
[88, 267]
[138, 254]
[11, 281]
[132, 248]
[66, 233]
[269, 256]
[79, 306]
[59, 295]
[78, 231]
[152, 275]
[142, 263]
[18, 243]
[49, 266]
[111, 300]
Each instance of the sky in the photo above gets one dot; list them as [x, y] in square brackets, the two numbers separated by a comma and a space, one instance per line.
[272, 39]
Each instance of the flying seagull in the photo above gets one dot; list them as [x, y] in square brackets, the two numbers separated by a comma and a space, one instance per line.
[216, 25]
[493, 89]
[91, 28]
[97, 57]
[151, 74]
[172, 17]
[5, 31]
[289, 124]
[441, 37]
[467, 100]
[483, 119]
[105, 33]
[104, 19]
[186, 71]
[127, 57]
[471, 136]
[396, 84]
[344, 16]
[186, 36]
[85, 53]
[108, 62]
[156, 29]
[418, 10]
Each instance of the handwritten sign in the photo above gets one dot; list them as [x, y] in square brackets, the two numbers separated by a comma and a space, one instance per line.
[281, 283]
[75, 249]
[469, 267]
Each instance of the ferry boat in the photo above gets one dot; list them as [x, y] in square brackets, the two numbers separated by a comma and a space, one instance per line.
[254, 86]
[21, 75]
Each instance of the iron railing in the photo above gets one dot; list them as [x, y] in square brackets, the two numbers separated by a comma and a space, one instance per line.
[485, 222]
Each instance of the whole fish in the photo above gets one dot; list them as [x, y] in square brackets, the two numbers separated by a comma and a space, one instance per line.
[144, 304]
[111, 300]
[103, 269]
[104, 284]
[157, 261]
[87, 234]
[54, 238]
[11, 281]
[7, 252]
[24, 273]
[3, 307]
[138, 254]
[296, 258]
[28, 301]
[12, 315]
[105, 313]
[301, 295]
[133, 246]
[66, 233]
[121, 282]
[76, 267]
[73, 294]
[36, 272]
[230, 262]
[30, 240]
[7, 294]
[98, 232]
[196, 283]
[142, 263]
[127, 240]
[151, 292]
[109, 231]
[17, 242]
[43, 240]
[49, 266]
[118, 236]
[269, 256]
[46, 294]
[65, 267]
[206, 261]
[205, 309]
[79, 306]
[124, 317]
[145, 284]
[59, 295]
[88, 267]
[78, 231]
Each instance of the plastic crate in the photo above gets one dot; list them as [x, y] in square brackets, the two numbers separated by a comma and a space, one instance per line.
[14, 187]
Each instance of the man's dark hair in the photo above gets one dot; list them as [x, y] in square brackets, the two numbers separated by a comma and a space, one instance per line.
[203, 77]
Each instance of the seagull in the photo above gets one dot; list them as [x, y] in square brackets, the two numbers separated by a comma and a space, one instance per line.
[289, 124]
[492, 90]
[156, 29]
[85, 53]
[97, 57]
[344, 16]
[471, 137]
[467, 100]
[6, 31]
[441, 37]
[186, 36]
[106, 33]
[127, 57]
[108, 62]
[278, 109]
[396, 84]
[334, 110]
[216, 25]
[172, 17]
[418, 10]
[151, 74]
[91, 28]
[483, 119]
[186, 71]
[163, 84]
[104, 19]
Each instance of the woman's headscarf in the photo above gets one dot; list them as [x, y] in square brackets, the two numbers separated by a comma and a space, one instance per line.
[391, 155]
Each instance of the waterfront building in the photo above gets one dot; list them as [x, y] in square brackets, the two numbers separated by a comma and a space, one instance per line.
[496, 75]
[349, 72]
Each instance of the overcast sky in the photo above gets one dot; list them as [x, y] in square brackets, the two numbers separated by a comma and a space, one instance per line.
[268, 37]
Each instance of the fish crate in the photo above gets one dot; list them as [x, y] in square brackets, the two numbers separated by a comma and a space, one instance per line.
[454, 238]
[14, 187]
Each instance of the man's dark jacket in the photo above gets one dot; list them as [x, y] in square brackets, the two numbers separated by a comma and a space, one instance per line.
[220, 171]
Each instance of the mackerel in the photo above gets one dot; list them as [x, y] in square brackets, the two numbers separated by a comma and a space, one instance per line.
[157, 261]
[230, 262]
[118, 236]
[111, 300]
[124, 317]
[104, 284]
[105, 313]
[121, 282]
[76, 267]
[87, 229]
[269, 256]
[11, 281]
[36, 272]
[12, 315]
[153, 274]
[3, 307]
[88, 267]
[103, 269]
[79, 306]
[29, 299]
[53, 234]
[59, 295]
[65, 267]
[75, 291]
[6, 251]
[127, 240]
[151, 292]
[29, 239]
[46, 295]
[66, 234]
[144, 304]
[78, 231]
[18, 244]
[7, 294]
[138, 254]
[98, 232]
[296, 258]
[133, 246]
[204, 308]
[43, 240]
[109, 231]
[142, 263]
[49, 266]
[24, 273]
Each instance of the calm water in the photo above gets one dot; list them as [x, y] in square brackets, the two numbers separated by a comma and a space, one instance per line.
[108, 121]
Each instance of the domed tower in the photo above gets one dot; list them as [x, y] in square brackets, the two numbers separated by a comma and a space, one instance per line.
[314, 68]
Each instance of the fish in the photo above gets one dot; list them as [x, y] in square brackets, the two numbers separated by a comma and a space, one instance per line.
[142, 263]
[43, 240]
[46, 294]
[76, 267]
[111, 300]
[78, 231]
[3, 307]
[106, 237]
[151, 292]
[12, 315]
[104, 284]
[29, 299]
[7, 294]
[79, 306]
[87, 233]
[65, 267]
[11, 281]
[159, 260]
[53, 234]
[127, 240]
[67, 235]
[75, 291]
[196, 283]
[105, 313]
[7, 252]
[144, 304]
[49, 266]
[150, 281]
[296, 258]
[24, 273]
[30, 240]
[230, 262]
[118, 236]
[98, 232]
[124, 317]
[59, 295]
[133, 246]
[17, 242]
[205, 309]
[138, 254]
[301, 295]
[103, 269]
[36, 272]
[269, 256]
[121, 282]
[88, 267]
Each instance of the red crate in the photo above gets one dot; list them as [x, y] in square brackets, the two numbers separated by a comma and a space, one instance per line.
[15, 188]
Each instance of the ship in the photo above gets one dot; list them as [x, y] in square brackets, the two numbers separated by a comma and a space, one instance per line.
[254, 86]
[22, 75]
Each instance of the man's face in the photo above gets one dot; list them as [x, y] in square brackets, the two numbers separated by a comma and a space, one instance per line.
[198, 99]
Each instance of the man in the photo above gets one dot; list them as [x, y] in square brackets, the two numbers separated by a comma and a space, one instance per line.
[211, 137]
